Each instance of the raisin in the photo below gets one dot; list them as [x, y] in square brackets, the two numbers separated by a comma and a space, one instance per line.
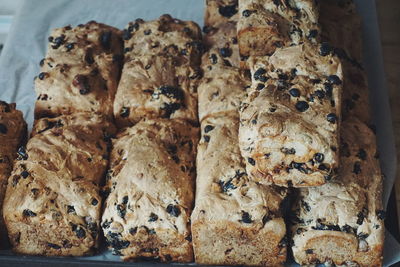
[147, 32]
[227, 11]
[125, 200]
[320, 94]
[213, 58]
[69, 46]
[225, 52]
[207, 138]
[173, 210]
[362, 154]
[94, 202]
[124, 112]
[306, 206]
[82, 83]
[260, 86]
[126, 35]
[289, 151]
[312, 34]
[325, 49]
[319, 157]
[361, 215]
[208, 128]
[169, 109]
[153, 217]
[259, 73]
[334, 79]
[246, 217]
[302, 106]
[246, 13]
[331, 117]
[42, 75]
[172, 92]
[251, 161]
[357, 168]
[70, 209]
[105, 39]
[228, 185]
[3, 129]
[28, 213]
[133, 231]
[51, 245]
[294, 92]
[80, 233]
[309, 251]
[381, 214]
[121, 210]
[24, 174]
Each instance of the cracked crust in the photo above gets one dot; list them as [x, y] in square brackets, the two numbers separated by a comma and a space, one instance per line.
[52, 205]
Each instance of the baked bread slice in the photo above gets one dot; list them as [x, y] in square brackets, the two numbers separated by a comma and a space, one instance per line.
[53, 203]
[80, 72]
[289, 129]
[151, 191]
[342, 222]
[236, 221]
[13, 131]
[265, 25]
[161, 71]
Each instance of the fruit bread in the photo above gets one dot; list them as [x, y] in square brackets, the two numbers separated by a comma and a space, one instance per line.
[341, 30]
[265, 25]
[236, 221]
[151, 191]
[80, 72]
[53, 203]
[13, 132]
[289, 129]
[342, 222]
[161, 71]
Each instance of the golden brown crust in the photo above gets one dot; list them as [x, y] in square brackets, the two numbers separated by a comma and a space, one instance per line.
[82, 65]
[290, 119]
[151, 188]
[52, 205]
[13, 131]
[161, 71]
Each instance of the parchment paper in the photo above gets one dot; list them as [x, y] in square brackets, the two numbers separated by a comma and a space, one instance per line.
[27, 43]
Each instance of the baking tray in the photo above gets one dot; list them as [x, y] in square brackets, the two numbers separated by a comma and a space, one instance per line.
[27, 43]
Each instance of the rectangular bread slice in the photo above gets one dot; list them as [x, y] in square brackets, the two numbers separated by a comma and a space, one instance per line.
[236, 221]
[341, 28]
[289, 129]
[53, 203]
[13, 131]
[80, 72]
[151, 191]
[265, 25]
[161, 71]
[342, 222]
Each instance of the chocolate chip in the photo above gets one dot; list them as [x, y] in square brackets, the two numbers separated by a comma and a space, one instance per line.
[208, 128]
[331, 117]
[225, 52]
[3, 129]
[325, 49]
[251, 161]
[246, 217]
[94, 202]
[294, 92]
[173, 210]
[319, 157]
[28, 213]
[381, 214]
[362, 154]
[334, 79]
[105, 39]
[227, 11]
[302, 106]
[124, 112]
